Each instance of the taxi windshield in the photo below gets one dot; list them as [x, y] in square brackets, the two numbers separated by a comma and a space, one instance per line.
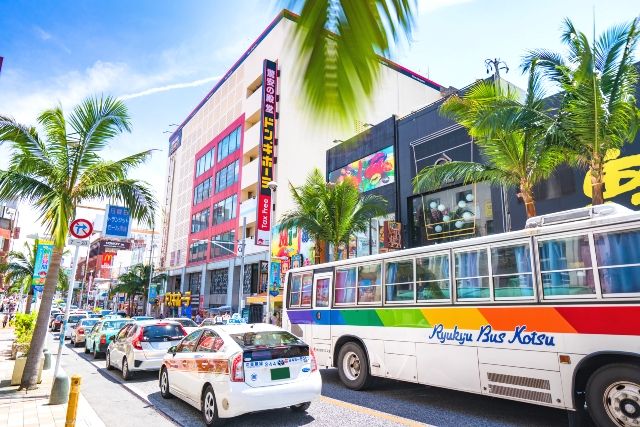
[114, 324]
[266, 339]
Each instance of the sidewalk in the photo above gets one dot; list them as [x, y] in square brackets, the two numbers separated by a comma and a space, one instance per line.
[31, 409]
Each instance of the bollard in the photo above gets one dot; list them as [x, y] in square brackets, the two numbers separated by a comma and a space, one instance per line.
[47, 360]
[72, 406]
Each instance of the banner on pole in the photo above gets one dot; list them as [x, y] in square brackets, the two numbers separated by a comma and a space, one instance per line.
[44, 251]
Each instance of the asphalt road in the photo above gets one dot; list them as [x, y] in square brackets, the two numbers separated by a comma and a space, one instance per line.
[389, 403]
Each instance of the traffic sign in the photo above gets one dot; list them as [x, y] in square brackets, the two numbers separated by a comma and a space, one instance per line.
[81, 228]
[77, 242]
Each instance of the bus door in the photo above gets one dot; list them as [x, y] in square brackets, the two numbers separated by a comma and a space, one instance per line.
[321, 324]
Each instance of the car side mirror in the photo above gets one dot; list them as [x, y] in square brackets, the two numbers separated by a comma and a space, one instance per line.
[112, 338]
[172, 350]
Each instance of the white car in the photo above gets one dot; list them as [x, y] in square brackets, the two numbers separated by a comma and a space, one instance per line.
[73, 321]
[230, 370]
[188, 324]
[141, 346]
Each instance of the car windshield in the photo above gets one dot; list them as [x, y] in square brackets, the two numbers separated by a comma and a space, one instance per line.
[162, 332]
[59, 316]
[187, 323]
[114, 324]
[266, 339]
[89, 322]
[76, 318]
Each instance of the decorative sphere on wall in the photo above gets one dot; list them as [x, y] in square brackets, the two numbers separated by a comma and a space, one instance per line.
[441, 207]
[433, 205]
[462, 204]
[459, 224]
[438, 228]
[469, 197]
[446, 218]
[467, 216]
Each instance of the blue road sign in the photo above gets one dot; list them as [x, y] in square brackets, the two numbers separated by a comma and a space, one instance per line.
[117, 222]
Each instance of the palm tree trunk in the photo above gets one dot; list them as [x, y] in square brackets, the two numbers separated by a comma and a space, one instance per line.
[597, 181]
[335, 251]
[30, 373]
[529, 202]
[27, 307]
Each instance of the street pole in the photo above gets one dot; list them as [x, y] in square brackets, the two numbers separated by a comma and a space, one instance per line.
[74, 268]
[242, 248]
[148, 307]
[272, 188]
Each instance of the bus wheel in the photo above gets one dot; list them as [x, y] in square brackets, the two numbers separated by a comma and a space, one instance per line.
[613, 396]
[353, 367]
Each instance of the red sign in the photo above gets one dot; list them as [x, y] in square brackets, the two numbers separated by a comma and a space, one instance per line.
[81, 228]
[267, 151]
[107, 258]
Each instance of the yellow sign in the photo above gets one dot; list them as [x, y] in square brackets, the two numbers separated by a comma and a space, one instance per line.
[621, 175]
[176, 299]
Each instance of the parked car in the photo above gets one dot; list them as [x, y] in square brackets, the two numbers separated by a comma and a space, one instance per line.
[95, 315]
[98, 339]
[230, 370]
[71, 323]
[138, 318]
[141, 346]
[188, 324]
[52, 317]
[211, 321]
[81, 329]
[56, 323]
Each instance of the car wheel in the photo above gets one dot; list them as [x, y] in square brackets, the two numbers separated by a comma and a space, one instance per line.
[95, 352]
[126, 373]
[613, 395]
[209, 407]
[86, 350]
[301, 407]
[353, 367]
[164, 384]
[108, 361]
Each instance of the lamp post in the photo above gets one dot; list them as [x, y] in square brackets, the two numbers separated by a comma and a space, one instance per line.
[273, 186]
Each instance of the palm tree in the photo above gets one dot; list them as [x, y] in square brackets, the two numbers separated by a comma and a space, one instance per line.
[340, 44]
[511, 133]
[54, 175]
[136, 282]
[18, 273]
[597, 109]
[331, 213]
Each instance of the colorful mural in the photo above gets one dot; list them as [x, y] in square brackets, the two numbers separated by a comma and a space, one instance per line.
[368, 173]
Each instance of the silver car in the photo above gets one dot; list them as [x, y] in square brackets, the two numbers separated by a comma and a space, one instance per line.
[141, 346]
[82, 328]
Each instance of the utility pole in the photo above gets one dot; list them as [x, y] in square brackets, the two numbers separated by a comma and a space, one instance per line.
[153, 234]
[242, 249]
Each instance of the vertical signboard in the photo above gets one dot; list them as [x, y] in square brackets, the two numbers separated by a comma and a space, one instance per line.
[44, 250]
[267, 141]
[117, 222]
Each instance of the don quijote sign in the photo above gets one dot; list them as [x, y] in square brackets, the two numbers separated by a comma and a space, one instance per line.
[267, 151]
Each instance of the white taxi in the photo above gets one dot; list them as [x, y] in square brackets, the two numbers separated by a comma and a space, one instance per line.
[230, 370]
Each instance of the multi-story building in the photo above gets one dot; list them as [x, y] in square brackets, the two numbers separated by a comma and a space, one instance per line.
[8, 229]
[213, 172]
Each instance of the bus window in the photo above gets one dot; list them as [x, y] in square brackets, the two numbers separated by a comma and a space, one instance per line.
[369, 283]
[294, 295]
[432, 277]
[322, 292]
[565, 267]
[307, 289]
[399, 284]
[511, 271]
[618, 256]
[472, 274]
[345, 286]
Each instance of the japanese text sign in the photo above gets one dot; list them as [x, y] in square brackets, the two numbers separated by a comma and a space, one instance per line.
[117, 222]
[44, 251]
[267, 155]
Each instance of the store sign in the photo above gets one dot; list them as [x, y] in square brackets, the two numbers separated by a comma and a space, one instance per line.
[44, 251]
[117, 223]
[267, 155]
[175, 141]
[368, 173]
[107, 259]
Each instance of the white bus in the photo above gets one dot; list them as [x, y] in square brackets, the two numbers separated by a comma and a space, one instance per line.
[548, 315]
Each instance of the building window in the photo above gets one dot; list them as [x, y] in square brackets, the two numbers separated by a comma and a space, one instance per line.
[198, 251]
[229, 144]
[222, 242]
[225, 210]
[200, 221]
[227, 176]
[219, 281]
[202, 191]
[205, 162]
[194, 283]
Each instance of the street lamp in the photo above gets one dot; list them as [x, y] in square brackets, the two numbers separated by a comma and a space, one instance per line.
[273, 186]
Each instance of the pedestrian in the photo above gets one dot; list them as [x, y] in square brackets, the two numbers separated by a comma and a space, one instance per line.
[5, 320]
[198, 319]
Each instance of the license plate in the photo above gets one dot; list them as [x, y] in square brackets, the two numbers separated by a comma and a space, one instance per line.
[280, 373]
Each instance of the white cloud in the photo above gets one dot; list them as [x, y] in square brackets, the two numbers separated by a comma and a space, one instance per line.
[166, 88]
[41, 33]
[426, 6]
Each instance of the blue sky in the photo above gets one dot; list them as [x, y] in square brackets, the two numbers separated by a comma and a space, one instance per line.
[164, 56]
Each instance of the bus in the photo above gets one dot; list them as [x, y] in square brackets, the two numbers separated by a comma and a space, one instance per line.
[548, 315]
